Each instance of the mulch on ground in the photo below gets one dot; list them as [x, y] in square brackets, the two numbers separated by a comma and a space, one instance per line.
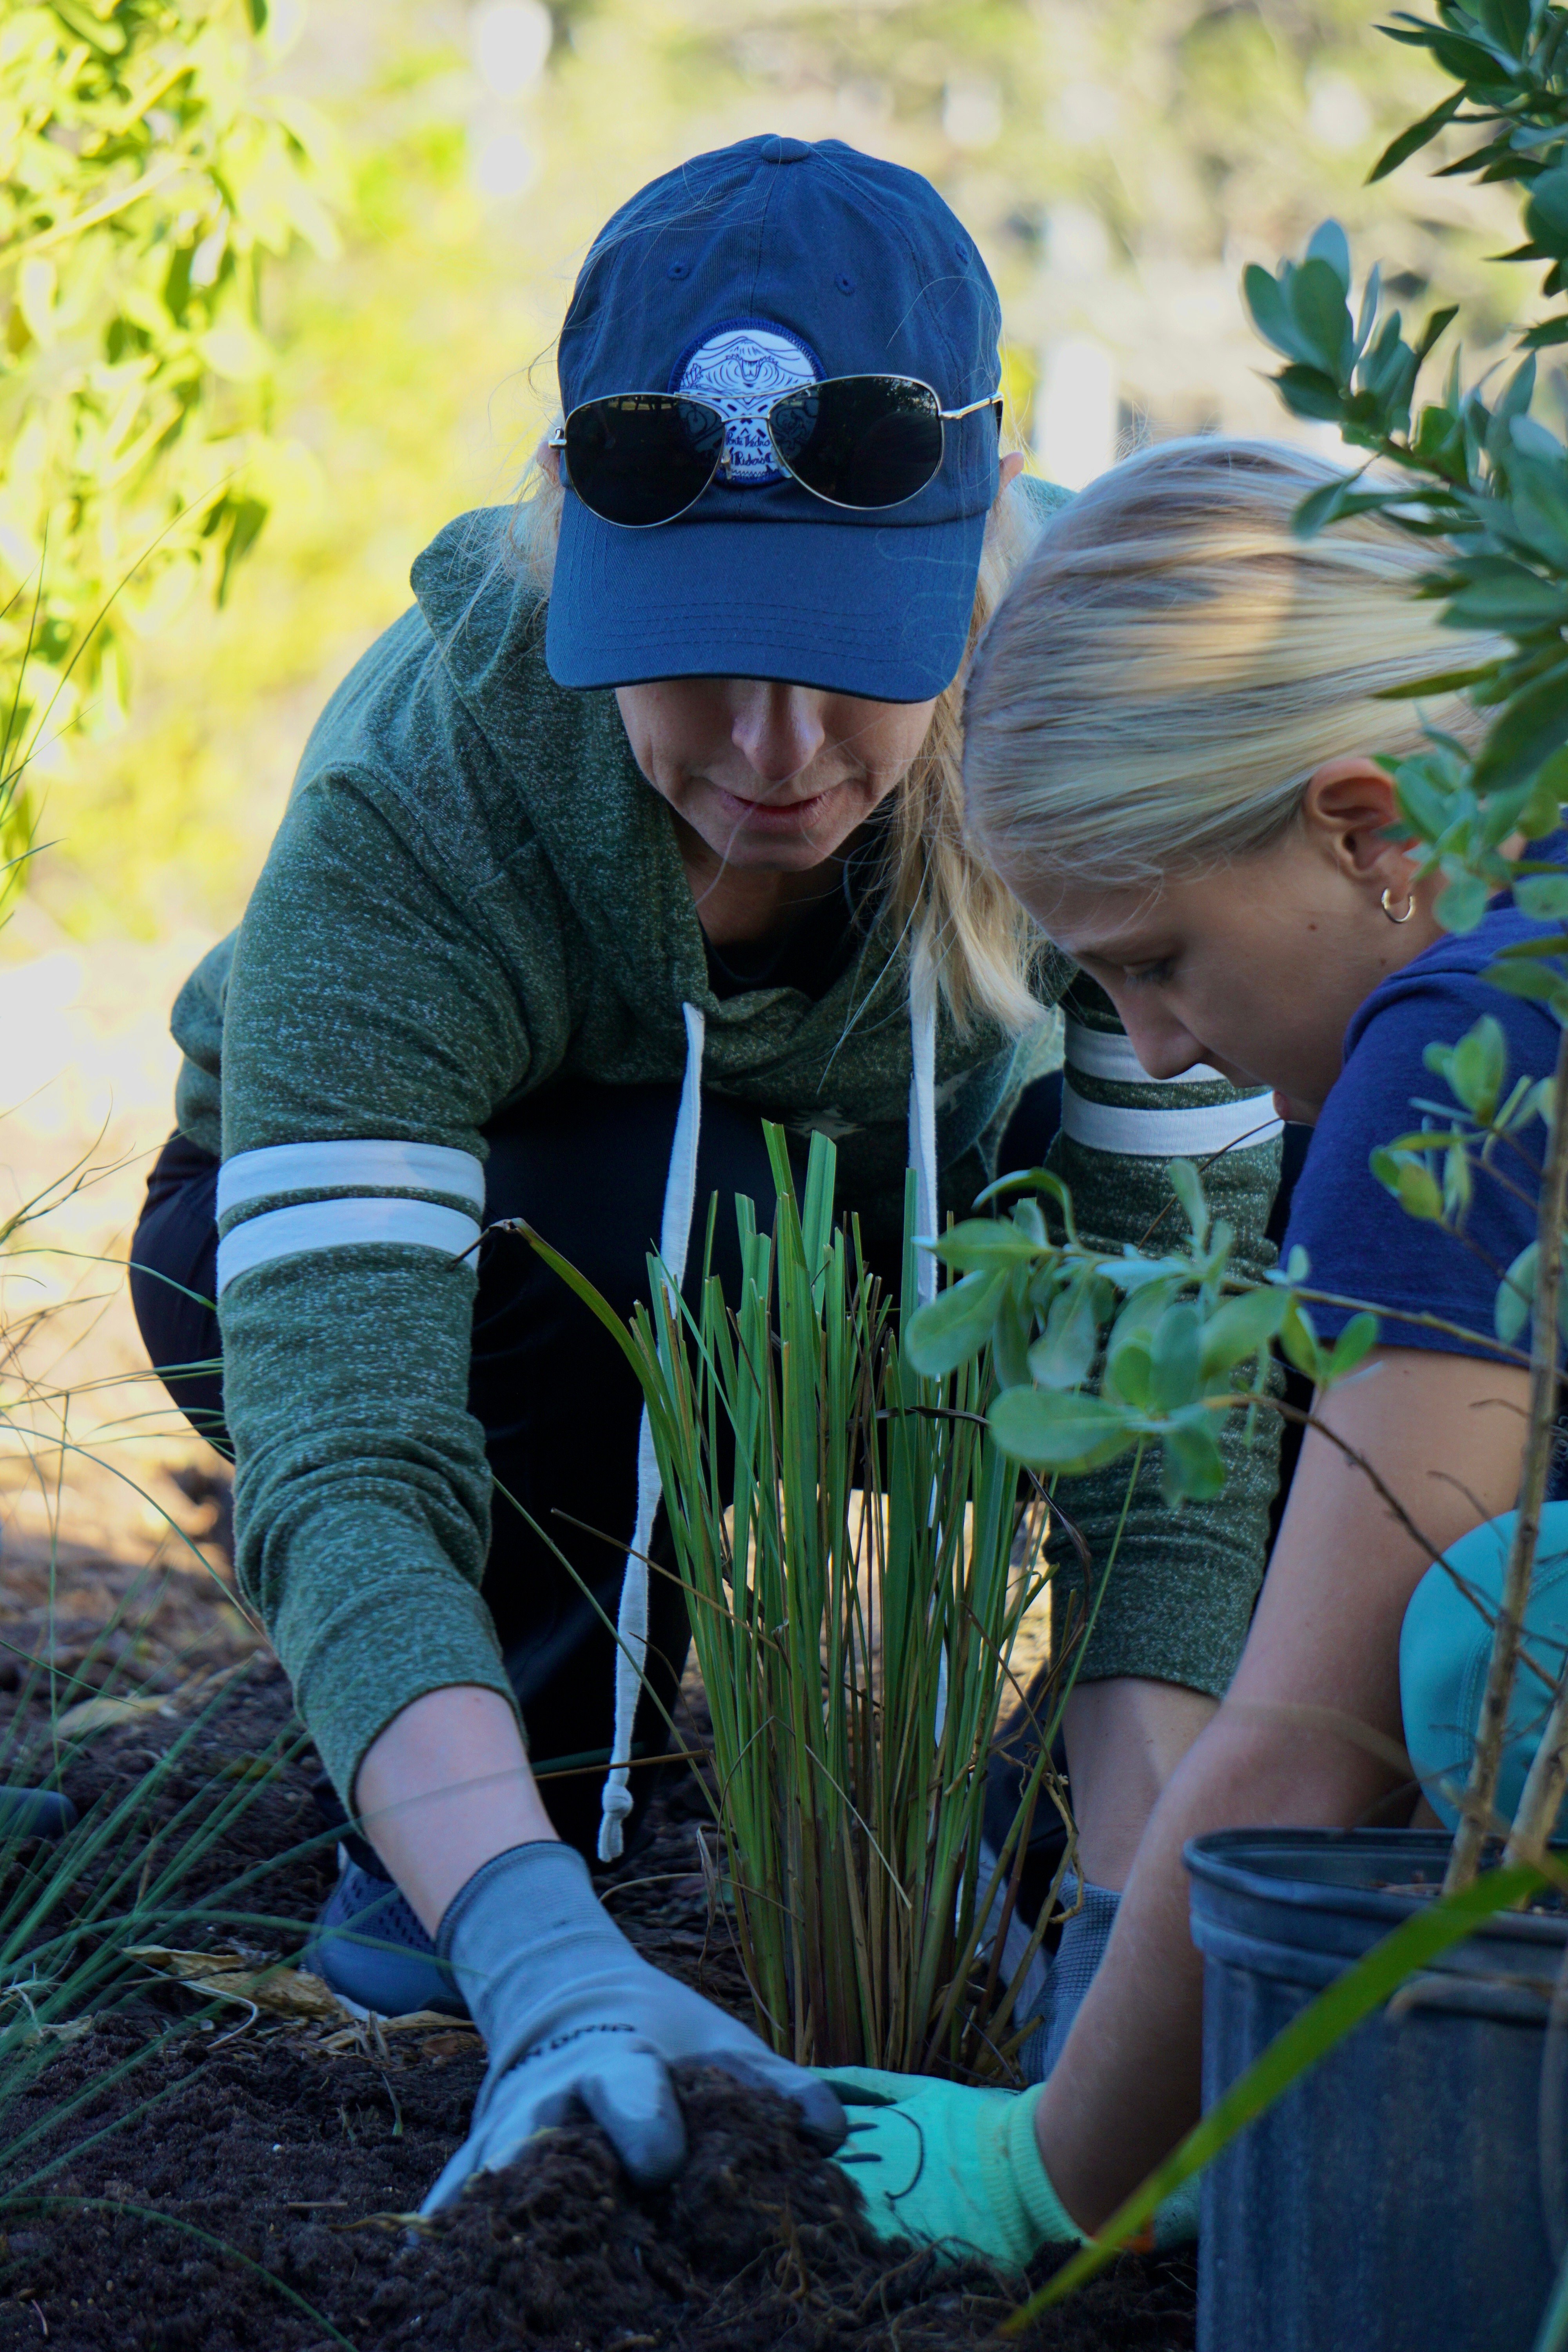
[203, 2176]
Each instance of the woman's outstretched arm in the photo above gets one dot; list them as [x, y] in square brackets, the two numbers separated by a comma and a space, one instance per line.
[1446, 1432]
[445, 1788]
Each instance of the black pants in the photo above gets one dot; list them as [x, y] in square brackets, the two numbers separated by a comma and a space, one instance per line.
[556, 1400]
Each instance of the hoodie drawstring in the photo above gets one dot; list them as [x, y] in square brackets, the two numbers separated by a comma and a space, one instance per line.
[922, 1159]
[923, 1115]
[675, 1240]
[631, 1624]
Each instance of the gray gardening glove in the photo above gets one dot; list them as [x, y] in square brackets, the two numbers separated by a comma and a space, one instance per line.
[1079, 1955]
[575, 2021]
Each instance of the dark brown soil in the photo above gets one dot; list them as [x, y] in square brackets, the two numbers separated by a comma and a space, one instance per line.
[223, 2181]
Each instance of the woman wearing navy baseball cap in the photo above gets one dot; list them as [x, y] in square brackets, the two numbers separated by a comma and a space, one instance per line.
[641, 826]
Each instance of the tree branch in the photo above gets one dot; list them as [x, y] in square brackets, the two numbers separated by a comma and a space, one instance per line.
[1549, 1773]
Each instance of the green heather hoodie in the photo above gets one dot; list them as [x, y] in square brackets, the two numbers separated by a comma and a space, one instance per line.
[474, 891]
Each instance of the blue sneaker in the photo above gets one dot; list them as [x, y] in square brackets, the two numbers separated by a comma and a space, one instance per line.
[35, 1814]
[371, 1950]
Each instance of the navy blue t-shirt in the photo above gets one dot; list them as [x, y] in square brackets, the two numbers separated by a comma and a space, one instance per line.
[1359, 1240]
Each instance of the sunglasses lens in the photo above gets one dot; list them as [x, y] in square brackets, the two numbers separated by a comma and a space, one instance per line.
[642, 457]
[860, 440]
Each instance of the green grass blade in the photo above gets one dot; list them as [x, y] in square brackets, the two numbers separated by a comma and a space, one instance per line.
[579, 1285]
[1552, 2334]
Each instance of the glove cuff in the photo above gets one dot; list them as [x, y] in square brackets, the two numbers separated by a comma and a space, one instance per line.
[556, 1874]
[507, 1931]
[1043, 2219]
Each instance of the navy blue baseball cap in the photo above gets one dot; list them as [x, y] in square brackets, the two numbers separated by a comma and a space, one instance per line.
[742, 274]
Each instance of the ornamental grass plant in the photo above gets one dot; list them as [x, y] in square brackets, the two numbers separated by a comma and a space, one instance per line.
[858, 1557]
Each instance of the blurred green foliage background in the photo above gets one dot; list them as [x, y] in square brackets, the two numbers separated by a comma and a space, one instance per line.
[1119, 162]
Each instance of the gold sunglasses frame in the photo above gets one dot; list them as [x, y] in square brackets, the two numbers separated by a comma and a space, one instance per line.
[945, 416]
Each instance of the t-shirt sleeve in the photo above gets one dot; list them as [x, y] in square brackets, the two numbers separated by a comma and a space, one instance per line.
[1361, 1245]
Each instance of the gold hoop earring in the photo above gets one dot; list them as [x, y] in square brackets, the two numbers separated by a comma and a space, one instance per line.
[1409, 908]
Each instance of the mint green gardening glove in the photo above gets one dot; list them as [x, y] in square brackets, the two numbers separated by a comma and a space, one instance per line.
[949, 2166]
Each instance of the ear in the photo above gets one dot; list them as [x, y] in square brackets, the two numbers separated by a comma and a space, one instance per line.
[1012, 465]
[1348, 807]
[547, 460]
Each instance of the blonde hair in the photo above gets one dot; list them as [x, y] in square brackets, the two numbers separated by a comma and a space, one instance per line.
[961, 922]
[1172, 665]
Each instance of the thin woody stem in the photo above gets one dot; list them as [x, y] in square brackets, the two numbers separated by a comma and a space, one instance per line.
[1304, 1419]
[1541, 1799]
[1544, 1789]
[1462, 1584]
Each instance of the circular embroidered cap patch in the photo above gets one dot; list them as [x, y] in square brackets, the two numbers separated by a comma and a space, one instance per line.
[741, 369]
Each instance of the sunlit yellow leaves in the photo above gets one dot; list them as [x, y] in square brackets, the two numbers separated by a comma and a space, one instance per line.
[146, 170]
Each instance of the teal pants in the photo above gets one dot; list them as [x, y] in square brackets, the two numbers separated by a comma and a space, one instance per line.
[1446, 1641]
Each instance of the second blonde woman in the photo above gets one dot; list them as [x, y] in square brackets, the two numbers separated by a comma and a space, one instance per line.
[1176, 755]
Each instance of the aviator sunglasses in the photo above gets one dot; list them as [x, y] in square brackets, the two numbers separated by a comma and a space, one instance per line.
[863, 441]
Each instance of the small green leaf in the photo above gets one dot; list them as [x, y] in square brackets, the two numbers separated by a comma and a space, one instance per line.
[1542, 897]
[1175, 1358]
[1420, 1194]
[1026, 1216]
[1337, 502]
[1411, 1182]
[1418, 135]
[1533, 981]
[986, 1241]
[1127, 1373]
[1461, 60]
[1318, 306]
[1270, 313]
[1458, 1184]
[1240, 1328]
[1478, 1066]
[1506, 22]
[1426, 1139]
[1054, 1431]
[1437, 326]
[1462, 905]
[1441, 682]
[1329, 243]
[1062, 1359]
[1187, 1185]
[1512, 599]
[1543, 812]
[1299, 1337]
[1308, 392]
[1194, 1466]
[1511, 407]
[1356, 1340]
[1546, 212]
[954, 1324]
[1516, 1296]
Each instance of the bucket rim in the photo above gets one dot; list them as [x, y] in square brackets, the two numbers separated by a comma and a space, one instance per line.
[1229, 1861]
